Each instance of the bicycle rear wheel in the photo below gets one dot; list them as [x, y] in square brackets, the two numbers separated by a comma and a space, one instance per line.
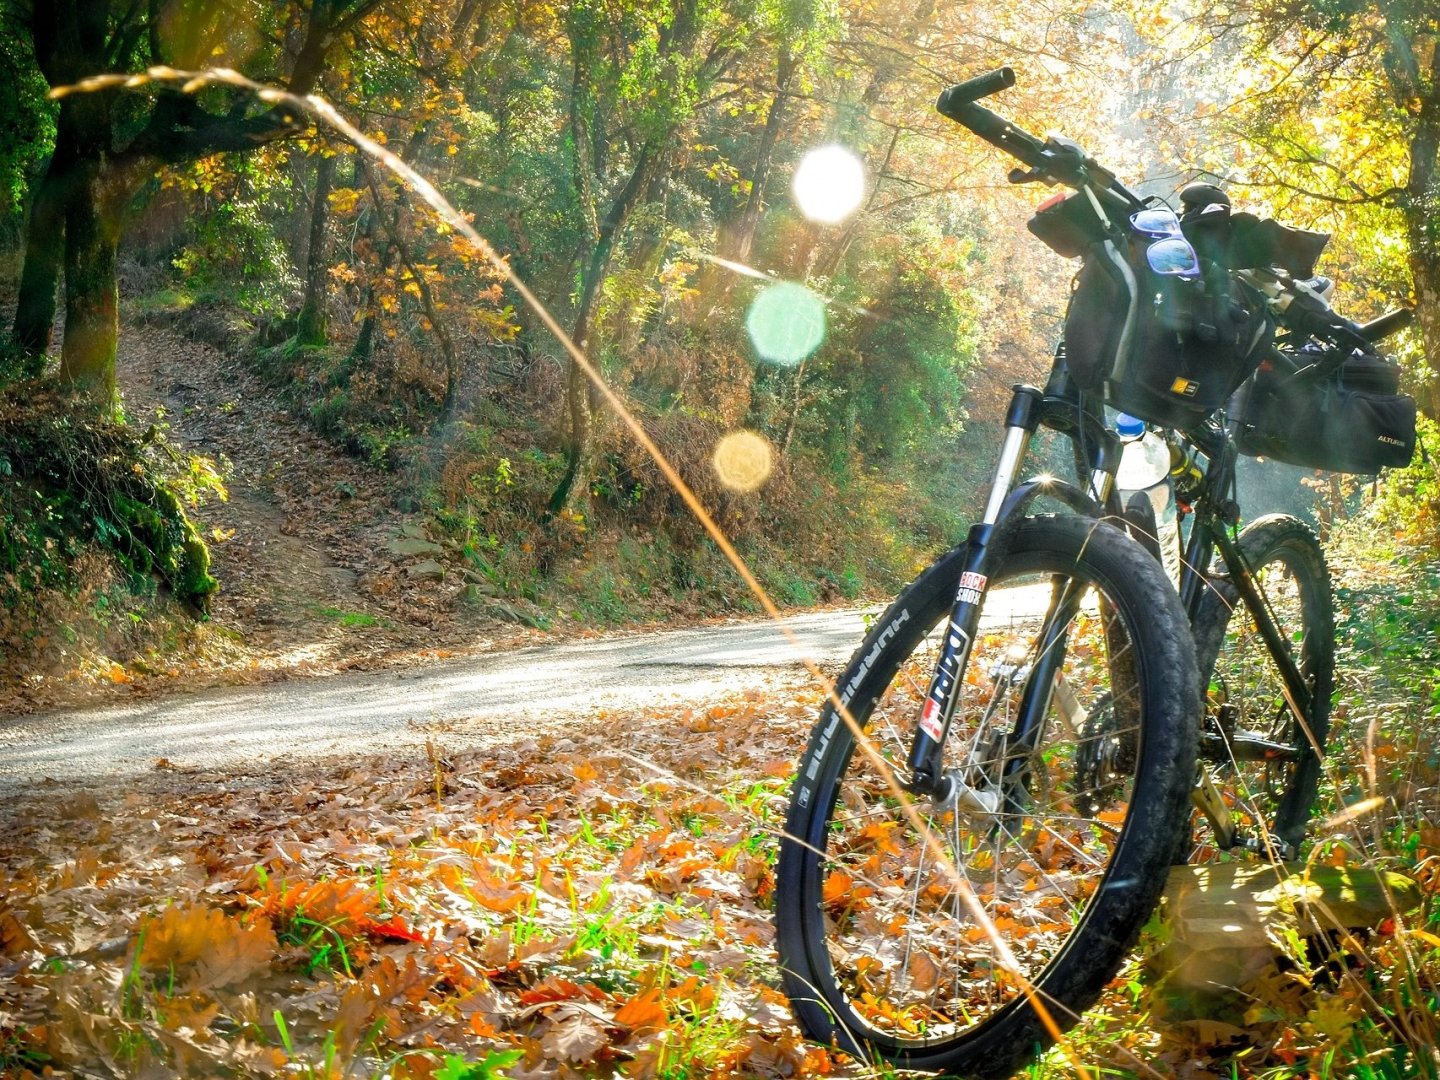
[1265, 762]
[924, 938]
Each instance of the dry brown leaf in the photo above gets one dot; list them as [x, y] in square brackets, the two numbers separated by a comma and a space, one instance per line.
[208, 947]
[924, 973]
[574, 1036]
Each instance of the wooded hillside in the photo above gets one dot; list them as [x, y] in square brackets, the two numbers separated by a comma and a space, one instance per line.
[633, 164]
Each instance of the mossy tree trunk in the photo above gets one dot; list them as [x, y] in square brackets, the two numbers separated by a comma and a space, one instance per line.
[312, 324]
[1422, 220]
[44, 256]
[92, 301]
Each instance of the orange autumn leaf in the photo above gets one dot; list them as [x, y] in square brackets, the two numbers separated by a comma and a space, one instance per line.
[879, 835]
[342, 904]
[558, 989]
[836, 887]
[202, 947]
[495, 893]
[394, 929]
[14, 938]
[643, 1012]
[584, 771]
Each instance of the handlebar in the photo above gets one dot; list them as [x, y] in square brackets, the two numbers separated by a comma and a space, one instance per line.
[1389, 323]
[958, 103]
[1329, 325]
[1053, 160]
[992, 82]
[1326, 324]
[1057, 160]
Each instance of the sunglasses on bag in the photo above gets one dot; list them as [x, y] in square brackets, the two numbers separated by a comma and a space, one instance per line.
[1170, 254]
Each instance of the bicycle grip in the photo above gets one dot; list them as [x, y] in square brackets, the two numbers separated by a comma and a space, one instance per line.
[992, 82]
[1387, 324]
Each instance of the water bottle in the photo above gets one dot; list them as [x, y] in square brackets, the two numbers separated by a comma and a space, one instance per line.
[1145, 469]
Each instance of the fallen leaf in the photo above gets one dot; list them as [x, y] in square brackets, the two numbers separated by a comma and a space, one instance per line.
[643, 1012]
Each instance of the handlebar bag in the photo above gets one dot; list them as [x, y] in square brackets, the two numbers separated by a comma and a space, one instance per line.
[1068, 225]
[1168, 349]
[1351, 420]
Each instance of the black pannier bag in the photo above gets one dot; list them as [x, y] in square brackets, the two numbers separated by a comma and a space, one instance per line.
[1168, 349]
[1351, 420]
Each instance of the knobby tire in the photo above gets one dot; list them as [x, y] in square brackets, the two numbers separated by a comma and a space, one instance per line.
[879, 952]
[1242, 684]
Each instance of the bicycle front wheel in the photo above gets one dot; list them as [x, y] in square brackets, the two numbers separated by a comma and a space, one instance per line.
[926, 931]
[1265, 760]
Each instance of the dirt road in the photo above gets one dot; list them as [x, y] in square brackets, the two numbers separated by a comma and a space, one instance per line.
[471, 702]
[474, 702]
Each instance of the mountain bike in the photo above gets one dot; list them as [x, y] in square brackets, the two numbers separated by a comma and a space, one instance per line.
[1044, 722]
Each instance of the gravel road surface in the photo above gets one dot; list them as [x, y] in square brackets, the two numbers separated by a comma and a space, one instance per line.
[467, 702]
[470, 702]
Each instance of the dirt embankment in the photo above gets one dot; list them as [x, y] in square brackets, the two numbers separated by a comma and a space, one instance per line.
[323, 561]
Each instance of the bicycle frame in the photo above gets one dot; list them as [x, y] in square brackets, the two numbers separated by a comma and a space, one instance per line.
[1061, 408]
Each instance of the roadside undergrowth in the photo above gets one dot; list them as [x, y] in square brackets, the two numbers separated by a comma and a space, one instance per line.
[1362, 1006]
[95, 536]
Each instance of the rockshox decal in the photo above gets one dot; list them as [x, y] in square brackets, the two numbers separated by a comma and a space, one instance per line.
[972, 587]
[930, 720]
[932, 717]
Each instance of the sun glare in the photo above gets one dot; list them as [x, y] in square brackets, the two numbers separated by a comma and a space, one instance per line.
[829, 184]
[743, 460]
[786, 323]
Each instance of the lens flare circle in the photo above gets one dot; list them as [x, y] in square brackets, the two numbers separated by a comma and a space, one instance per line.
[786, 323]
[743, 461]
[828, 184]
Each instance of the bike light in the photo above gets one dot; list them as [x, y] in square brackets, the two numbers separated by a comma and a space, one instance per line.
[1173, 257]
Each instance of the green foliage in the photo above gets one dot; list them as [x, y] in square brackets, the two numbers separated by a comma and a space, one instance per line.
[71, 479]
[27, 129]
[1408, 501]
[901, 365]
[491, 1067]
[235, 251]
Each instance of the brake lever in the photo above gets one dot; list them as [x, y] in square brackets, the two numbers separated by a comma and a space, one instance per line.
[1030, 176]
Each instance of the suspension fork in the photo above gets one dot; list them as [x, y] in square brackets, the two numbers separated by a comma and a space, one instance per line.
[987, 544]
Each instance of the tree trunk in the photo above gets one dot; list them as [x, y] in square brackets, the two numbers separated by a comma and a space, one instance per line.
[737, 236]
[573, 491]
[793, 420]
[1422, 194]
[737, 247]
[1426, 276]
[35, 305]
[312, 322]
[1423, 229]
[92, 302]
